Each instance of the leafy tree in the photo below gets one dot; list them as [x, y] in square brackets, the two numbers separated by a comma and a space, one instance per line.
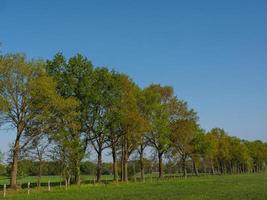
[103, 94]
[258, 152]
[73, 79]
[147, 104]
[200, 149]
[183, 130]
[114, 118]
[37, 150]
[240, 160]
[17, 107]
[132, 123]
[159, 136]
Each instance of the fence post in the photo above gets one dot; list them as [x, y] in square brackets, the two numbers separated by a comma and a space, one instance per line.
[29, 185]
[49, 188]
[60, 184]
[66, 184]
[4, 195]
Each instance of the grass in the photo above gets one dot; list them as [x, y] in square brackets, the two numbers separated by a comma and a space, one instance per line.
[56, 179]
[45, 179]
[230, 187]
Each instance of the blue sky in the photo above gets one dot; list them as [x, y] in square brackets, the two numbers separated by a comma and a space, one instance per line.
[214, 53]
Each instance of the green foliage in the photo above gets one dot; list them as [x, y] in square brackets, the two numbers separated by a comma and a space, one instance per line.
[76, 105]
[159, 135]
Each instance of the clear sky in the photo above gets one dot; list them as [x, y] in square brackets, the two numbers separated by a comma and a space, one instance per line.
[214, 53]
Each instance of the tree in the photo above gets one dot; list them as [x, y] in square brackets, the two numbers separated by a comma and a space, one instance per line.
[159, 136]
[240, 160]
[258, 153]
[114, 118]
[37, 150]
[183, 130]
[132, 123]
[1, 157]
[103, 95]
[220, 149]
[2, 166]
[16, 102]
[73, 79]
[200, 149]
[147, 103]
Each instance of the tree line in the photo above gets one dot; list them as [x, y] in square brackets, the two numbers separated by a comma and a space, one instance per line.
[61, 107]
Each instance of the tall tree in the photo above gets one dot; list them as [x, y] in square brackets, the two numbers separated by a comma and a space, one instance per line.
[147, 103]
[132, 123]
[114, 118]
[159, 136]
[103, 95]
[16, 75]
[183, 123]
[73, 79]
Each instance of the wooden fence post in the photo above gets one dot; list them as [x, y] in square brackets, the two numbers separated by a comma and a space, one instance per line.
[4, 194]
[66, 184]
[49, 188]
[29, 185]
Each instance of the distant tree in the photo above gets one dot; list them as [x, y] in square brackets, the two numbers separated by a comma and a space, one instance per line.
[240, 160]
[2, 166]
[184, 128]
[88, 168]
[258, 152]
[1, 156]
[38, 151]
[200, 148]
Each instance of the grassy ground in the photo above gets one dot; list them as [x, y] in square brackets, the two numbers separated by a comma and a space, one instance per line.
[56, 179]
[243, 187]
[45, 179]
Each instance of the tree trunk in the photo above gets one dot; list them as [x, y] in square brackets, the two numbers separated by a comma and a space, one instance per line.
[114, 167]
[14, 165]
[77, 172]
[184, 166]
[39, 174]
[99, 165]
[122, 162]
[142, 169]
[125, 166]
[195, 168]
[205, 167]
[212, 168]
[160, 154]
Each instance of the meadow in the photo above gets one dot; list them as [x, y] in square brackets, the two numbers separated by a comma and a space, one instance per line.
[243, 187]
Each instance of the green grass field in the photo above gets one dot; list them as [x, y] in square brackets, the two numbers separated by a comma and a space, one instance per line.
[56, 179]
[45, 179]
[243, 187]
